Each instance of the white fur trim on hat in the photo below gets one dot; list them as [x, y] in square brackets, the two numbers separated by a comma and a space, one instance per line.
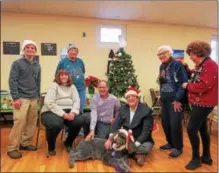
[25, 43]
[164, 48]
[132, 92]
[72, 46]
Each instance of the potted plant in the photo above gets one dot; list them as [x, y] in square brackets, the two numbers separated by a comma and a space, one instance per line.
[91, 83]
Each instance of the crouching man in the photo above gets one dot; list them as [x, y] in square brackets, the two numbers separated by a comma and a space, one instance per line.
[137, 117]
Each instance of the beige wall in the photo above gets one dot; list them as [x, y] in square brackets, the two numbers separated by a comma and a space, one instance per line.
[143, 40]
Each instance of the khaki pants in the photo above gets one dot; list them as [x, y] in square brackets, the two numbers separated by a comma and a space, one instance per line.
[25, 120]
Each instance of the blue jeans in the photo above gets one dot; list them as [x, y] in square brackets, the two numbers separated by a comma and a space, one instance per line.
[82, 95]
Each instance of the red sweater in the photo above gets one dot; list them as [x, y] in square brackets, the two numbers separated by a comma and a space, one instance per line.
[203, 89]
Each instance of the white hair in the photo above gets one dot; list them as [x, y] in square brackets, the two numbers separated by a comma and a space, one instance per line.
[164, 48]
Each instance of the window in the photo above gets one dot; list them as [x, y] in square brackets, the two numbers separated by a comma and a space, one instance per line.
[214, 49]
[108, 35]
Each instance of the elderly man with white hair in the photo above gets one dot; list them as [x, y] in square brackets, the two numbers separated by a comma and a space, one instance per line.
[24, 84]
[171, 77]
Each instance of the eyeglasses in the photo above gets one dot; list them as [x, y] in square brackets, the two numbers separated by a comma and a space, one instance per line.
[163, 53]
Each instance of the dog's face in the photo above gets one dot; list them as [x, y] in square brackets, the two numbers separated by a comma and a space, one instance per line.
[119, 141]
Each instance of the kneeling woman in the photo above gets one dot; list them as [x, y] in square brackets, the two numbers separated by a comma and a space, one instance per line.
[61, 107]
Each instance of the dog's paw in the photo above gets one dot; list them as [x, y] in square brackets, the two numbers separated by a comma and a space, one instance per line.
[71, 165]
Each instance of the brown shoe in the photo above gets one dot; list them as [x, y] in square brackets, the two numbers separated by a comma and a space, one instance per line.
[14, 154]
[140, 159]
[28, 148]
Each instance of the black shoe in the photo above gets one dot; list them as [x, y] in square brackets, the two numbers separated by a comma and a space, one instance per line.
[206, 160]
[166, 147]
[193, 164]
[67, 146]
[52, 153]
[28, 148]
[175, 153]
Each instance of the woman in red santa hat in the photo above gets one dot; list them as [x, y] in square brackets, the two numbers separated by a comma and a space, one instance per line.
[137, 117]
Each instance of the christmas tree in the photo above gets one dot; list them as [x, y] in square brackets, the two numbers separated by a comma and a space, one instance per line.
[121, 73]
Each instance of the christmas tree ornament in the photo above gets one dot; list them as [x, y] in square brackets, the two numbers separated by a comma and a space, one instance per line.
[111, 56]
[129, 81]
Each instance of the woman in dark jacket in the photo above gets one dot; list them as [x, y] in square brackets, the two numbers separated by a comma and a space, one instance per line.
[202, 95]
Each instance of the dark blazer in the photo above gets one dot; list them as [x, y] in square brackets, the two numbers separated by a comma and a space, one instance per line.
[141, 125]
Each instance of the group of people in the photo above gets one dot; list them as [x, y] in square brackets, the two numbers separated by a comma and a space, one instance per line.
[65, 100]
[199, 86]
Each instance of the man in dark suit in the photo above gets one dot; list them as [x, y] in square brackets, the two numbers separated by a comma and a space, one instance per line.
[137, 117]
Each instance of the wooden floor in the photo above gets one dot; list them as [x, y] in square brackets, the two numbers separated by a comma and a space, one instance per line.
[157, 161]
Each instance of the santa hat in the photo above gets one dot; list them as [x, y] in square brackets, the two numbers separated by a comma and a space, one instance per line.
[71, 46]
[25, 43]
[129, 137]
[127, 133]
[164, 48]
[132, 91]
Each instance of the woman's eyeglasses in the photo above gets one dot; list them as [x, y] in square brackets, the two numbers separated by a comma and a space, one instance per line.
[163, 53]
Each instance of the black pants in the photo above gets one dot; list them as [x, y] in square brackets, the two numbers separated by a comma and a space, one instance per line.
[101, 130]
[172, 124]
[198, 122]
[54, 124]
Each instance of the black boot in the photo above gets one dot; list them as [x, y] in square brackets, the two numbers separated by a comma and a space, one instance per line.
[207, 160]
[193, 164]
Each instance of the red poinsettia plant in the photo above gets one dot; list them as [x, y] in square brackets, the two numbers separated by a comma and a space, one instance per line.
[91, 81]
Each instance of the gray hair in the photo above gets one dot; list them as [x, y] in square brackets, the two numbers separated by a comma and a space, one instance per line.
[164, 48]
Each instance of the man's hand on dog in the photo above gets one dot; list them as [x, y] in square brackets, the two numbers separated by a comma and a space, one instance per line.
[90, 135]
[108, 144]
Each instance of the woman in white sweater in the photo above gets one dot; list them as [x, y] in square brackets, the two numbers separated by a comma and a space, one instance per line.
[61, 107]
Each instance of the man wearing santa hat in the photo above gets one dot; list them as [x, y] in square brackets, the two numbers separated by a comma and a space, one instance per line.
[138, 118]
[24, 84]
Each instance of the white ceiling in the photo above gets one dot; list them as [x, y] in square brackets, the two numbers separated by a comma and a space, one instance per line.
[193, 13]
